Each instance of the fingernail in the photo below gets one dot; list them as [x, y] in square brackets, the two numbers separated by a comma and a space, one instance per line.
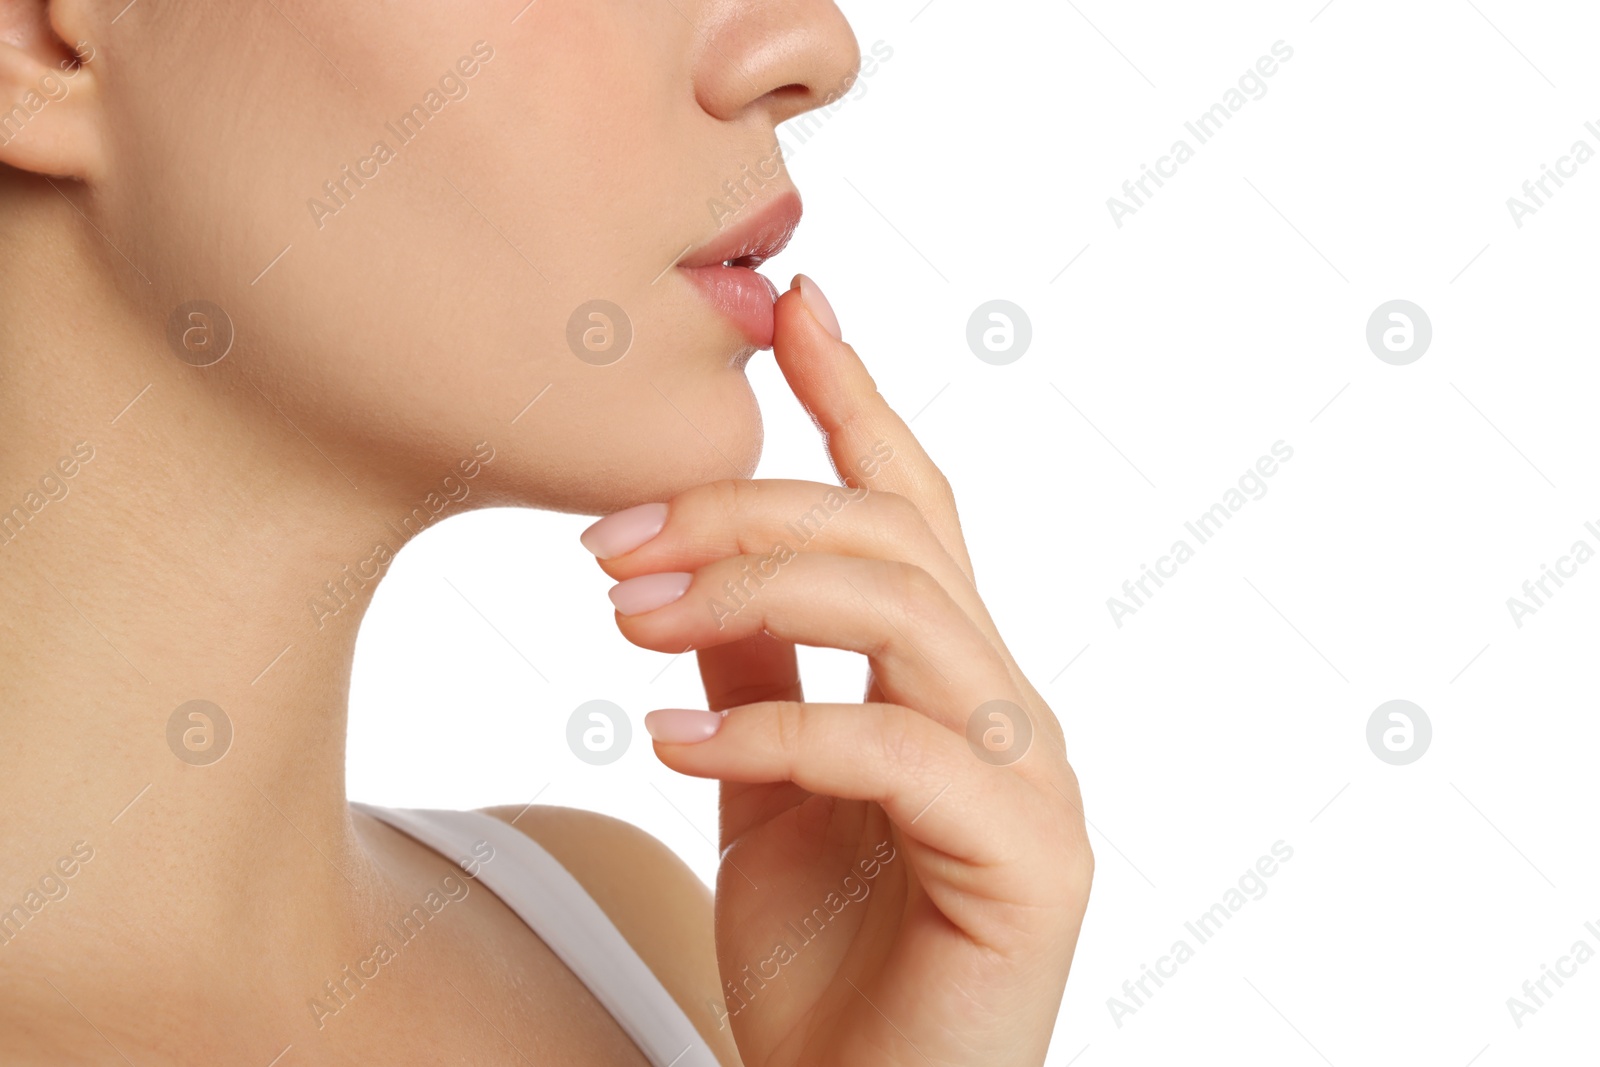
[622, 532]
[818, 305]
[682, 726]
[649, 592]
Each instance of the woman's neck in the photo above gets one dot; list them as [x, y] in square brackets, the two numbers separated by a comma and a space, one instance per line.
[163, 542]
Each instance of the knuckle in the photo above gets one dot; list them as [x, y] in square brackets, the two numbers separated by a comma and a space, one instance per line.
[1074, 824]
[907, 579]
[790, 720]
[734, 503]
[695, 504]
[1078, 874]
[897, 740]
[922, 600]
[897, 512]
[728, 496]
[942, 491]
[857, 414]
[1084, 867]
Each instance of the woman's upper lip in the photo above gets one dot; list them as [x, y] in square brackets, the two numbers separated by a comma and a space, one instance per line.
[753, 239]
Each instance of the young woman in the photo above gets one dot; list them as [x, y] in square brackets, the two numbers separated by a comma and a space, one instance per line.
[273, 274]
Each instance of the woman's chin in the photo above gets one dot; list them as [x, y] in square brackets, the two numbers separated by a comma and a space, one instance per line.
[673, 443]
[716, 442]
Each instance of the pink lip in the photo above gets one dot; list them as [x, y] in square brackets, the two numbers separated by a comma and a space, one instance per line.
[724, 267]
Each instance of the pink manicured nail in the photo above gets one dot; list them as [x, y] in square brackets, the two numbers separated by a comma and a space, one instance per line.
[682, 726]
[649, 592]
[818, 305]
[622, 532]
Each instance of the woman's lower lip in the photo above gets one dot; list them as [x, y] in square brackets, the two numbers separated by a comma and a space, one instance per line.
[742, 295]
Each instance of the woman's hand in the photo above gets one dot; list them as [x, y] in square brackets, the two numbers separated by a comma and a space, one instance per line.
[890, 893]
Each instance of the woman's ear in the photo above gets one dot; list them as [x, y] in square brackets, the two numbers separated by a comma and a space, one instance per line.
[48, 91]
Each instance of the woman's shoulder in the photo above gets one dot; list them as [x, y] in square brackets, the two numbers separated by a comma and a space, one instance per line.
[659, 905]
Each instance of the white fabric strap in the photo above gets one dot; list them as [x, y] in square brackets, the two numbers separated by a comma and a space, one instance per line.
[556, 907]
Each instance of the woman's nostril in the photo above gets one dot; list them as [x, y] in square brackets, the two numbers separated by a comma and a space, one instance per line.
[794, 97]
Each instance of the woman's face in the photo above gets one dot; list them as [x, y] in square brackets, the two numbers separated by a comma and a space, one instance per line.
[412, 211]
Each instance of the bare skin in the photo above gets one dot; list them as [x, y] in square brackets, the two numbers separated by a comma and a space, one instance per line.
[171, 525]
[979, 865]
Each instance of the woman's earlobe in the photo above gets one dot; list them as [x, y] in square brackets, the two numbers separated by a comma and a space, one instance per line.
[48, 110]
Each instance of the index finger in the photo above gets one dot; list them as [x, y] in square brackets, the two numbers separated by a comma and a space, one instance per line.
[867, 440]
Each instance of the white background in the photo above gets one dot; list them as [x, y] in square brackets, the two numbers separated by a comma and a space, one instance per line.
[1229, 313]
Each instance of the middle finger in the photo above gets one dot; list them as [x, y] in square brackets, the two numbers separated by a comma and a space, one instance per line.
[925, 652]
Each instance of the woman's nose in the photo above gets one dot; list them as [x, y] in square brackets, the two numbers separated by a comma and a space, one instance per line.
[782, 57]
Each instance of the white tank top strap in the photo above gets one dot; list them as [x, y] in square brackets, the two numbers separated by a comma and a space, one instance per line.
[556, 907]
